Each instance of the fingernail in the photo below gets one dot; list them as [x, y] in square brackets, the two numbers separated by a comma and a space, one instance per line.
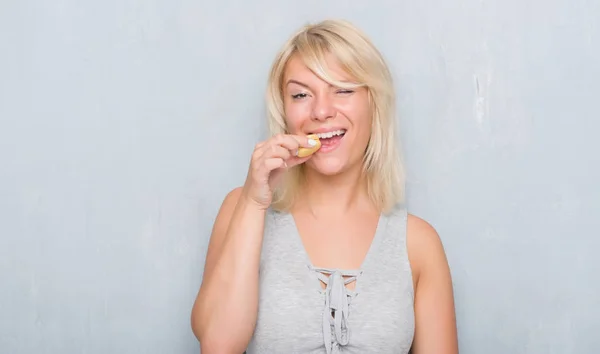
[312, 142]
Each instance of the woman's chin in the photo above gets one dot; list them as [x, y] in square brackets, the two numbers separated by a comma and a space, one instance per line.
[327, 167]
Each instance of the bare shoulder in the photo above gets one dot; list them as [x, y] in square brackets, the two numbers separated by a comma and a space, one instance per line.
[226, 210]
[231, 199]
[422, 237]
[425, 248]
[434, 298]
[221, 225]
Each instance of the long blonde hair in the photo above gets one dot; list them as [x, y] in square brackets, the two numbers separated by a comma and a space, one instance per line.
[359, 57]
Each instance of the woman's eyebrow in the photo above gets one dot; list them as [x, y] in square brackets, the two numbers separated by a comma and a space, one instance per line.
[292, 81]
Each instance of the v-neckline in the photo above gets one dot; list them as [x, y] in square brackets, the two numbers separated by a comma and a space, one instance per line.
[376, 240]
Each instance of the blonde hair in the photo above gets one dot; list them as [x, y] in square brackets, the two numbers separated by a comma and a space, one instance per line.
[360, 59]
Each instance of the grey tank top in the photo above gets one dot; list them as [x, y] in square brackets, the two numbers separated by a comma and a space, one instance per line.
[295, 313]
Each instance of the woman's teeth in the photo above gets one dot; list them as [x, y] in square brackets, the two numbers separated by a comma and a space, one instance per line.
[331, 134]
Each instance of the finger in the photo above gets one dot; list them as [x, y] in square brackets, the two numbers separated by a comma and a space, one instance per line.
[294, 161]
[304, 141]
[289, 159]
[293, 142]
[276, 151]
[274, 163]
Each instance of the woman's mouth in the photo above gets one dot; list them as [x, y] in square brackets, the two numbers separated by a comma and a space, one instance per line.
[330, 140]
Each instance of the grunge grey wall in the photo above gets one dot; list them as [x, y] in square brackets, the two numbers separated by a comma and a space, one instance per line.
[123, 124]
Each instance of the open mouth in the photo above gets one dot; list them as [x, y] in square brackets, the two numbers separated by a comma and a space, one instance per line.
[330, 140]
[329, 135]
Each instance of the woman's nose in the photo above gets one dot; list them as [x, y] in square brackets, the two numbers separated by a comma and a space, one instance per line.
[323, 107]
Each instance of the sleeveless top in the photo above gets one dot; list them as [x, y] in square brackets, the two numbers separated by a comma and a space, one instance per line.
[297, 315]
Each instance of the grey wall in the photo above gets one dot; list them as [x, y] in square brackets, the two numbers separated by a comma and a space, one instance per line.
[113, 121]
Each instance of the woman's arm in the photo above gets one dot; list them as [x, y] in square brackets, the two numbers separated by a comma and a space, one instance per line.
[226, 308]
[224, 314]
[435, 320]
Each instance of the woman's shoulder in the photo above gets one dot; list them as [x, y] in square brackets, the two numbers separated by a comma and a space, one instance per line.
[233, 195]
[425, 249]
[420, 229]
[227, 208]
[230, 201]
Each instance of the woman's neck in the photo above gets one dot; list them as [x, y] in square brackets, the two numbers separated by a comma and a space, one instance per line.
[338, 194]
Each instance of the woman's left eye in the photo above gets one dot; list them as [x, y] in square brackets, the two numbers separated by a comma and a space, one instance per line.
[345, 91]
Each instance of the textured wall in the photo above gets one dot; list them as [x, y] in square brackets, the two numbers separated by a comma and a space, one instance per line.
[113, 121]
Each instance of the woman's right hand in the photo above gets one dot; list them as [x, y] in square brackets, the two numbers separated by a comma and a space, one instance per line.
[269, 161]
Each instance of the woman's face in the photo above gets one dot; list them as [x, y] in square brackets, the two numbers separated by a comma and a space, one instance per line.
[341, 117]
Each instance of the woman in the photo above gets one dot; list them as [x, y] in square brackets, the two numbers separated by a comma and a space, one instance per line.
[317, 254]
